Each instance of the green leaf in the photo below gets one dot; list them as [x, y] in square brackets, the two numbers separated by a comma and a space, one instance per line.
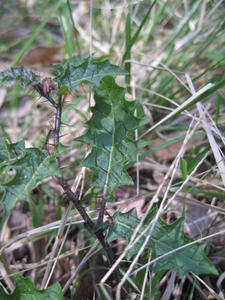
[165, 238]
[28, 166]
[25, 290]
[194, 161]
[20, 74]
[10, 153]
[109, 136]
[183, 166]
[67, 24]
[218, 105]
[137, 33]
[76, 70]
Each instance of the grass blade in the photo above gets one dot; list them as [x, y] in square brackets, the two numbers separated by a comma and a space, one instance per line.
[136, 35]
[66, 21]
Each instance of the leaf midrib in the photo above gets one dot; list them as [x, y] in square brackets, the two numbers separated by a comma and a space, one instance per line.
[111, 155]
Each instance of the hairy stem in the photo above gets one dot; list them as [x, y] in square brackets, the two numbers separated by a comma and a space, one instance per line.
[74, 198]
[40, 90]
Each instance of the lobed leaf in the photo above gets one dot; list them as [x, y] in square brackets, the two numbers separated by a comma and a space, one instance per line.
[20, 171]
[165, 238]
[76, 70]
[20, 74]
[109, 136]
[25, 290]
[10, 152]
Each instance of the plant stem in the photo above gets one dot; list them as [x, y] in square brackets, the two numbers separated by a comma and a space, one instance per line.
[74, 198]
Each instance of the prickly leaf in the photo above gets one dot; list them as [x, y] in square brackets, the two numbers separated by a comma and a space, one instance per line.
[109, 135]
[20, 74]
[77, 70]
[25, 290]
[10, 152]
[20, 171]
[165, 238]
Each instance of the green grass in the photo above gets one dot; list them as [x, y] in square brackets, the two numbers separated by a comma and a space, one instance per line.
[159, 42]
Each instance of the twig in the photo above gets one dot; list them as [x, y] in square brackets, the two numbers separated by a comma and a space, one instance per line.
[94, 249]
[212, 141]
[60, 249]
[55, 246]
[4, 270]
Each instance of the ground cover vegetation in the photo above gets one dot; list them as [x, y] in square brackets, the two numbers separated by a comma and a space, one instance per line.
[112, 172]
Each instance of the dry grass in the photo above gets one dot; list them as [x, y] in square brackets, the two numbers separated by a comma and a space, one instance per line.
[177, 58]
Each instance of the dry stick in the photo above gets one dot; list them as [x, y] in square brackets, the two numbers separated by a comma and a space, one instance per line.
[202, 292]
[220, 281]
[179, 108]
[45, 280]
[177, 77]
[177, 292]
[4, 270]
[36, 232]
[145, 280]
[201, 182]
[4, 265]
[215, 149]
[214, 294]
[90, 253]
[60, 249]
[214, 128]
[170, 286]
[33, 266]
